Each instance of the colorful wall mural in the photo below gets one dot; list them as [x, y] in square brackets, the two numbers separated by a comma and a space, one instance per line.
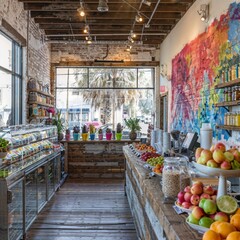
[196, 69]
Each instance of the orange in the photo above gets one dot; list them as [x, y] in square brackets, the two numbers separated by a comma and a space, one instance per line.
[235, 221]
[214, 225]
[238, 211]
[158, 165]
[233, 236]
[225, 228]
[211, 235]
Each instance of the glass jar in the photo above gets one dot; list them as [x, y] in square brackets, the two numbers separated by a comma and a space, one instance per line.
[185, 176]
[171, 179]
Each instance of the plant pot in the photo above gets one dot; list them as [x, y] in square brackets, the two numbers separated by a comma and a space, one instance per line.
[133, 135]
[3, 154]
[108, 136]
[100, 136]
[118, 136]
[84, 136]
[76, 136]
[92, 136]
[68, 137]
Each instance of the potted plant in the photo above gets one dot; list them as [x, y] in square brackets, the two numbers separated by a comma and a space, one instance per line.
[100, 134]
[84, 133]
[76, 133]
[108, 134]
[119, 131]
[92, 131]
[58, 121]
[133, 125]
[4, 147]
[67, 135]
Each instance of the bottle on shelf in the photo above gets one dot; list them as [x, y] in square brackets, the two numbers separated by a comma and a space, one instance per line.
[237, 119]
[229, 94]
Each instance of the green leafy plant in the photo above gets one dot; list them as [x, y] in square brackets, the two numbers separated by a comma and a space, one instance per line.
[58, 121]
[84, 129]
[133, 124]
[108, 130]
[4, 145]
[119, 128]
[76, 129]
[92, 129]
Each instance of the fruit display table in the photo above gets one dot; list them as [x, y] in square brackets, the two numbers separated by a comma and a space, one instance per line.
[153, 219]
[95, 159]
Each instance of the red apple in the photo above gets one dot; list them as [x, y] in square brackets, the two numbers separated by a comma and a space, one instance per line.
[196, 189]
[228, 156]
[187, 197]
[214, 197]
[198, 182]
[187, 189]
[208, 189]
[218, 156]
[198, 212]
[212, 148]
[205, 195]
[206, 155]
[198, 152]
[220, 146]
[236, 155]
[186, 205]
[212, 163]
[194, 199]
[221, 216]
[212, 216]
[181, 197]
[226, 165]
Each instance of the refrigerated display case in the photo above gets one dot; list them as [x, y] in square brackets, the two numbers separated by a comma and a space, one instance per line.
[29, 176]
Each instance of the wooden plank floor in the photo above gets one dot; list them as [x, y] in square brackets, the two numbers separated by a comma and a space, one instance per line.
[86, 210]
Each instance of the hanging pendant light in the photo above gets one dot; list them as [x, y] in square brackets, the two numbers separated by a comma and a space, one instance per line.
[81, 9]
[102, 6]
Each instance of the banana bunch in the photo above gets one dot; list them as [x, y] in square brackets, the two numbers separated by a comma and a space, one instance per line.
[235, 165]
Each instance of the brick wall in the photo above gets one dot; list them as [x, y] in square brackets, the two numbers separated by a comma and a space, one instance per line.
[82, 52]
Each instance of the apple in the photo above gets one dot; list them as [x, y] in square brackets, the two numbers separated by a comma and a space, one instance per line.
[200, 160]
[214, 198]
[198, 152]
[198, 182]
[212, 216]
[208, 189]
[196, 189]
[221, 216]
[206, 155]
[192, 219]
[226, 165]
[205, 195]
[220, 146]
[187, 197]
[186, 205]
[187, 189]
[181, 197]
[212, 148]
[194, 199]
[218, 156]
[236, 155]
[209, 206]
[211, 163]
[228, 156]
[197, 212]
[202, 201]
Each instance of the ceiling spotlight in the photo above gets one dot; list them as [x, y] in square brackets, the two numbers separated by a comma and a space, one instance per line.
[81, 9]
[148, 3]
[204, 12]
[102, 6]
[129, 47]
[133, 35]
[86, 29]
[139, 18]
[130, 39]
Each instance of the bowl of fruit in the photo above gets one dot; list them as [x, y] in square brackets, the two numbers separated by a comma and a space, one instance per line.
[156, 164]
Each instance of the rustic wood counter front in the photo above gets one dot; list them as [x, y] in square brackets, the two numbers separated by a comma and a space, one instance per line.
[153, 219]
[95, 159]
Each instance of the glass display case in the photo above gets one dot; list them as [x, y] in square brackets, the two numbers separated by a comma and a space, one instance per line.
[28, 176]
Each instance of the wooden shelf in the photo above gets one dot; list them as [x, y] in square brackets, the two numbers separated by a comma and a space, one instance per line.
[226, 127]
[227, 104]
[39, 103]
[228, 84]
[38, 117]
[41, 92]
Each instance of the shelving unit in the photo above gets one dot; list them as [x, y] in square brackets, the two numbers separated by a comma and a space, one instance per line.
[228, 84]
[39, 103]
[41, 92]
[228, 104]
[228, 127]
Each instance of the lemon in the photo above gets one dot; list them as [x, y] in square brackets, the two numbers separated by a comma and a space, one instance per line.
[227, 204]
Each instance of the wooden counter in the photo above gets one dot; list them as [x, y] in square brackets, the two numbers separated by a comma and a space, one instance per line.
[95, 159]
[153, 219]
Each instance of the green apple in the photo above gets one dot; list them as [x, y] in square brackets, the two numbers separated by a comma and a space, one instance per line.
[192, 219]
[209, 206]
[206, 222]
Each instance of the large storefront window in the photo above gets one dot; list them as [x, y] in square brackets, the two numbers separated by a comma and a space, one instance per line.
[104, 95]
[11, 81]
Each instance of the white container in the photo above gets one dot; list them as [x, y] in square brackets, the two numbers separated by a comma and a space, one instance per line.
[206, 135]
